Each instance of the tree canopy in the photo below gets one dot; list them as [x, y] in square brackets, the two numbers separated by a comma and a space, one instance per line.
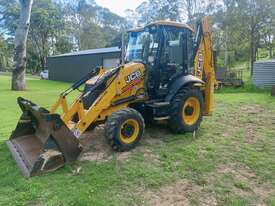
[243, 30]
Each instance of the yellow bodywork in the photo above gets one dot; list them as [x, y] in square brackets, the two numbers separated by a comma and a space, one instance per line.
[204, 66]
[129, 139]
[195, 104]
[44, 141]
[118, 88]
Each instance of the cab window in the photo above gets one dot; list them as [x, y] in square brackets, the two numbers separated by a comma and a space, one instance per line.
[173, 46]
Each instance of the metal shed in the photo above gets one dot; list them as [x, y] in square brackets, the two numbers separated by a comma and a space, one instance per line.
[71, 67]
[264, 73]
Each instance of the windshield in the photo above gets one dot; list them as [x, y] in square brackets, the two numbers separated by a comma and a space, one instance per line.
[142, 47]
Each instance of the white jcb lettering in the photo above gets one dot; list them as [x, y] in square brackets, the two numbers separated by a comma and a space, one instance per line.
[133, 76]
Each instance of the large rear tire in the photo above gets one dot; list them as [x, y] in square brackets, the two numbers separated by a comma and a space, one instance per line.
[186, 110]
[124, 129]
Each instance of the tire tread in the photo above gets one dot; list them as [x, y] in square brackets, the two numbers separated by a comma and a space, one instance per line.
[175, 122]
[112, 124]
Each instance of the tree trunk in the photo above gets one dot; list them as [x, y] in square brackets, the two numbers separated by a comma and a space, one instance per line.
[43, 62]
[254, 35]
[252, 51]
[20, 41]
[226, 48]
[252, 57]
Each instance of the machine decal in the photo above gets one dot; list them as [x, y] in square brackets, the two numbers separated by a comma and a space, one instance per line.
[200, 63]
[133, 76]
[132, 80]
[130, 86]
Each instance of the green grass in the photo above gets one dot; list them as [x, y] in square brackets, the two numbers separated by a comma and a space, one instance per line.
[231, 157]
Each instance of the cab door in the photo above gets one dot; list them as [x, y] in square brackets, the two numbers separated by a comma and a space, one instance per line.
[174, 56]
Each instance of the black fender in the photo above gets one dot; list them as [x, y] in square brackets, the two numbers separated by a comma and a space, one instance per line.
[179, 83]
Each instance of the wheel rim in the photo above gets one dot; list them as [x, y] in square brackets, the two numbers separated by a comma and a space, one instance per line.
[191, 111]
[129, 131]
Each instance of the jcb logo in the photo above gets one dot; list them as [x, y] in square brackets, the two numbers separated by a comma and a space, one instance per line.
[133, 76]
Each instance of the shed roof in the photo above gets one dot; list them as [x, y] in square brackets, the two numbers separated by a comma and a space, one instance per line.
[91, 51]
[265, 61]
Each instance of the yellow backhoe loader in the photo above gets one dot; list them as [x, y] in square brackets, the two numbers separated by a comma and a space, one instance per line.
[167, 74]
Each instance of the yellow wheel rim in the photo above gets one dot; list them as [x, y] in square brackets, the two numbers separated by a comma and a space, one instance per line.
[129, 131]
[191, 111]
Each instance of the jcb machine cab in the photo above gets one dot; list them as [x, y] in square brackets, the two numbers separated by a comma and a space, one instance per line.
[168, 75]
[167, 50]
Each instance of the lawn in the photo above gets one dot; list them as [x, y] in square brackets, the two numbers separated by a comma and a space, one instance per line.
[230, 160]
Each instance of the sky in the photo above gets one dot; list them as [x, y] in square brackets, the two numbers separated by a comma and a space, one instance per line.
[119, 6]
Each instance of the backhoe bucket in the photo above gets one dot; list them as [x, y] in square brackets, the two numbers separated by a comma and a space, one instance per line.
[41, 141]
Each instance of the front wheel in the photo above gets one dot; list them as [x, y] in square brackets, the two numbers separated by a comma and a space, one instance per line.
[186, 110]
[124, 129]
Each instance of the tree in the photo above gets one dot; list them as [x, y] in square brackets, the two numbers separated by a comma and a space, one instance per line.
[224, 19]
[241, 27]
[20, 41]
[268, 37]
[153, 10]
[9, 16]
[91, 36]
[62, 26]
[93, 26]
[254, 15]
[5, 54]
[63, 45]
[48, 24]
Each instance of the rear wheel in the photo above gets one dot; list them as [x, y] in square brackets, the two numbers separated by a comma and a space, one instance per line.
[124, 129]
[186, 110]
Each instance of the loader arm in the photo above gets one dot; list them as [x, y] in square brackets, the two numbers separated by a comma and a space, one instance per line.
[118, 93]
[46, 140]
[204, 63]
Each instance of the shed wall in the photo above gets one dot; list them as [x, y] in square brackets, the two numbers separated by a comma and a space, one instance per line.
[73, 68]
[264, 74]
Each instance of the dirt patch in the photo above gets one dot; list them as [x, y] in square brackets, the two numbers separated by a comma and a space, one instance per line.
[252, 109]
[96, 147]
[247, 183]
[150, 157]
[241, 111]
[123, 156]
[253, 119]
[180, 193]
[155, 133]
[249, 119]
[251, 136]
[239, 171]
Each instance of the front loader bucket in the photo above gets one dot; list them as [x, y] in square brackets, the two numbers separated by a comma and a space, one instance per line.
[41, 141]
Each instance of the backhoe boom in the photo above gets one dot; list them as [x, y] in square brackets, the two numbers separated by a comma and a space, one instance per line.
[204, 63]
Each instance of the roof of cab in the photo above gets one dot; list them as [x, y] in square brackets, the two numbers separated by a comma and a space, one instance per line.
[165, 23]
